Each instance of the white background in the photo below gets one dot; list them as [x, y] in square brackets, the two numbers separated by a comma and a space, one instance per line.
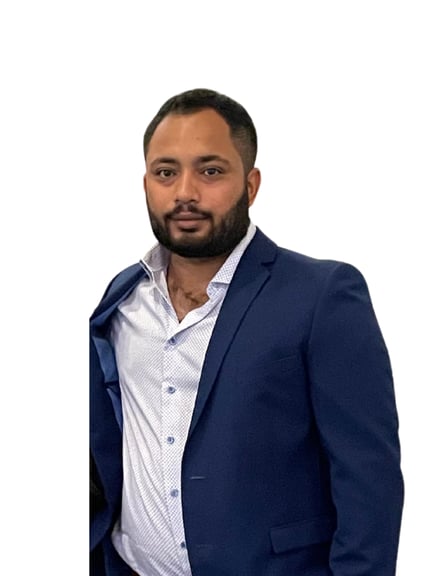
[348, 100]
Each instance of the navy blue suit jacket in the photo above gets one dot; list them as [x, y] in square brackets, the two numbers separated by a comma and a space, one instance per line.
[292, 463]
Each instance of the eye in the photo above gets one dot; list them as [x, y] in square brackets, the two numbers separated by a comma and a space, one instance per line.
[164, 173]
[212, 171]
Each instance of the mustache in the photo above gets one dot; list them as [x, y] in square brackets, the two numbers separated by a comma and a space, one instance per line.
[188, 207]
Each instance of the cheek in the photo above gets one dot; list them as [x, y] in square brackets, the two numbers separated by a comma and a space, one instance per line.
[158, 202]
[221, 200]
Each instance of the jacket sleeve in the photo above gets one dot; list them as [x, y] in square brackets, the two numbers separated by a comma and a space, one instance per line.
[355, 410]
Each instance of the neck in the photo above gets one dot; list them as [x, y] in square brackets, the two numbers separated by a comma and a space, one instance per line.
[187, 281]
[192, 272]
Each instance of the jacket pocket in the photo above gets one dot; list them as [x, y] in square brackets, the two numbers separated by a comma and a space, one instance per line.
[300, 534]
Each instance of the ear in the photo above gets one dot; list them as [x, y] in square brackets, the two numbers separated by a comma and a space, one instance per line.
[253, 184]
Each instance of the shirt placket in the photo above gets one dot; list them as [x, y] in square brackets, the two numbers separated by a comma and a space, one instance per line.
[173, 439]
[176, 394]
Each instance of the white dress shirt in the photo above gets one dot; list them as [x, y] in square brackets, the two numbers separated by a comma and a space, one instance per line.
[159, 361]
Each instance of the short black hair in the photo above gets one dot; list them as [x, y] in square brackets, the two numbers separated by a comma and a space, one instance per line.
[242, 129]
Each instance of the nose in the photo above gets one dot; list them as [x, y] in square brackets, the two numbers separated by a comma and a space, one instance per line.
[186, 187]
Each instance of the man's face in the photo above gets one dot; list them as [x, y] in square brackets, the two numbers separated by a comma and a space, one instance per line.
[196, 191]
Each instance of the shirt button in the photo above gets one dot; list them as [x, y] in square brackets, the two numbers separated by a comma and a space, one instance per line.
[171, 389]
[172, 340]
[174, 493]
[183, 545]
[170, 439]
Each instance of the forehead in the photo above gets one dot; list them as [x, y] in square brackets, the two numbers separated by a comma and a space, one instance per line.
[203, 132]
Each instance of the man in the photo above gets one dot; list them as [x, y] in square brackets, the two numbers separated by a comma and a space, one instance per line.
[243, 413]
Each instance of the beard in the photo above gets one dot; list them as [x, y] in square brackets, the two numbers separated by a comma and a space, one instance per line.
[222, 238]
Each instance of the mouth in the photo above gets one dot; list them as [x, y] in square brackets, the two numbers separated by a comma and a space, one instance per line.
[187, 222]
[187, 217]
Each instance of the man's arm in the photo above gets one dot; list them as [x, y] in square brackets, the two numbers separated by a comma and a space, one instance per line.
[355, 410]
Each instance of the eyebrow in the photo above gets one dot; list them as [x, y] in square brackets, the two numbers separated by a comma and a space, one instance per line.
[211, 158]
[163, 160]
[199, 160]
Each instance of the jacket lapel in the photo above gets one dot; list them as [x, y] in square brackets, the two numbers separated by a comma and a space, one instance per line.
[249, 278]
[116, 292]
